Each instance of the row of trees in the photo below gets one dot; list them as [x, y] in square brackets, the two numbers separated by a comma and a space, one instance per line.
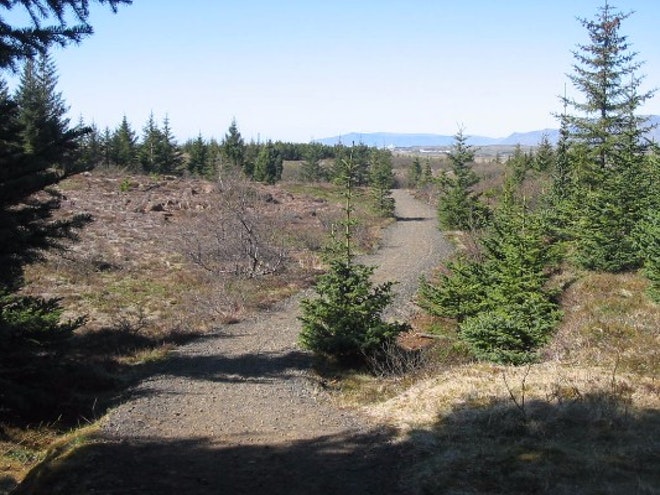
[156, 151]
[601, 212]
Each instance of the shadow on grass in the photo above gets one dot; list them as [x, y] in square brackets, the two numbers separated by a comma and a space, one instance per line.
[351, 463]
[593, 444]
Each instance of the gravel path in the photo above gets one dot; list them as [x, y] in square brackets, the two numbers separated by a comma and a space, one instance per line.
[236, 412]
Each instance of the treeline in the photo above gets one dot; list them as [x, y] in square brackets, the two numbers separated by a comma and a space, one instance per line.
[155, 150]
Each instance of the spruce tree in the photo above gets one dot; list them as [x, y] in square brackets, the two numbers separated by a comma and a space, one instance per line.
[458, 206]
[381, 181]
[148, 150]
[268, 165]
[197, 156]
[91, 146]
[169, 155]
[608, 148]
[233, 150]
[123, 147]
[311, 170]
[415, 173]
[37, 150]
[500, 299]
[47, 24]
[345, 320]
[544, 157]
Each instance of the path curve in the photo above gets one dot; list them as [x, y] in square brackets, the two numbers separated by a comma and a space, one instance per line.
[236, 412]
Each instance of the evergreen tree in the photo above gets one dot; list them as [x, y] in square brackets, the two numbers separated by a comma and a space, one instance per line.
[37, 149]
[427, 174]
[311, 170]
[345, 320]
[359, 156]
[233, 150]
[91, 146]
[213, 160]
[169, 156]
[647, 240]
[458, 206]
[611, 189]
[544, 158]
[381, 181]
[123, 147]
[415, 173]
[42, 114]
[268, 165]
[518, 164]
[20, 42]
[501, 301]
[106, 147]
[148, 150]
[197, 157]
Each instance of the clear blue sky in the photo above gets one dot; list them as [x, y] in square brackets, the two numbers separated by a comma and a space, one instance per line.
[303, 69]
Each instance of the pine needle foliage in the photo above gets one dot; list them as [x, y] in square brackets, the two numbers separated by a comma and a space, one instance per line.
[606, 149]
[501, 300]
[345, 320]
[459, 207]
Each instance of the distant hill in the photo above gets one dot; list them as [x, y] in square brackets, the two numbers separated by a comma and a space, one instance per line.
[389, 139]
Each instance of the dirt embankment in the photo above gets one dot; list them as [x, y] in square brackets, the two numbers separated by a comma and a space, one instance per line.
[236, 412]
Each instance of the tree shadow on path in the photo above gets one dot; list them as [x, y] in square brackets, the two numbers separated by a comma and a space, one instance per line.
[352, 463]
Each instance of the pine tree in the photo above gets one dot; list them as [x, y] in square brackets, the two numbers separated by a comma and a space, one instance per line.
[197, 156]
[42, 115]
[458, 206]
[415, 173]
[36, 37]
[381, 181]
[169, 156]
[91, 146]
[427, 174]
[148, 150]
[233, 150]
[608, 149]
[544, 158]
[518, 164]
[345, 320]
[310, 169]
[500, 300]
[123, 147]
[37, 150]
[268, 165]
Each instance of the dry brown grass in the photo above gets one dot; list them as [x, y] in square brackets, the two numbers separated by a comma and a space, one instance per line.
[584, 420]
[609, 320]
[142, 295]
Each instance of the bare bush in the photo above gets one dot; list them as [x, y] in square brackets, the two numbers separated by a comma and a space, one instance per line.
[234, 235]
[392, 360]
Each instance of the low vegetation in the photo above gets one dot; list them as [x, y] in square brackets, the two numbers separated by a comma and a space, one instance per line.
[146, 276]
[534, 368]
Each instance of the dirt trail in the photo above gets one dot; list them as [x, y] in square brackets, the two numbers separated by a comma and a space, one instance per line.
[236, 412]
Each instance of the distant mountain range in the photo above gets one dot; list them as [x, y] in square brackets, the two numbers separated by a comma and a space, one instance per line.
[389, 139]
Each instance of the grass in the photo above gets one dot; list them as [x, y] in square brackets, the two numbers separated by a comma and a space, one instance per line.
[586, 419]
[142, 297]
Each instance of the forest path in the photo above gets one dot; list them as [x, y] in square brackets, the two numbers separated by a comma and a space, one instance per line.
[236, 412]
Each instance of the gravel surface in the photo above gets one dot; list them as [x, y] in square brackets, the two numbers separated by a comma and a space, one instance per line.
[237, 412]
